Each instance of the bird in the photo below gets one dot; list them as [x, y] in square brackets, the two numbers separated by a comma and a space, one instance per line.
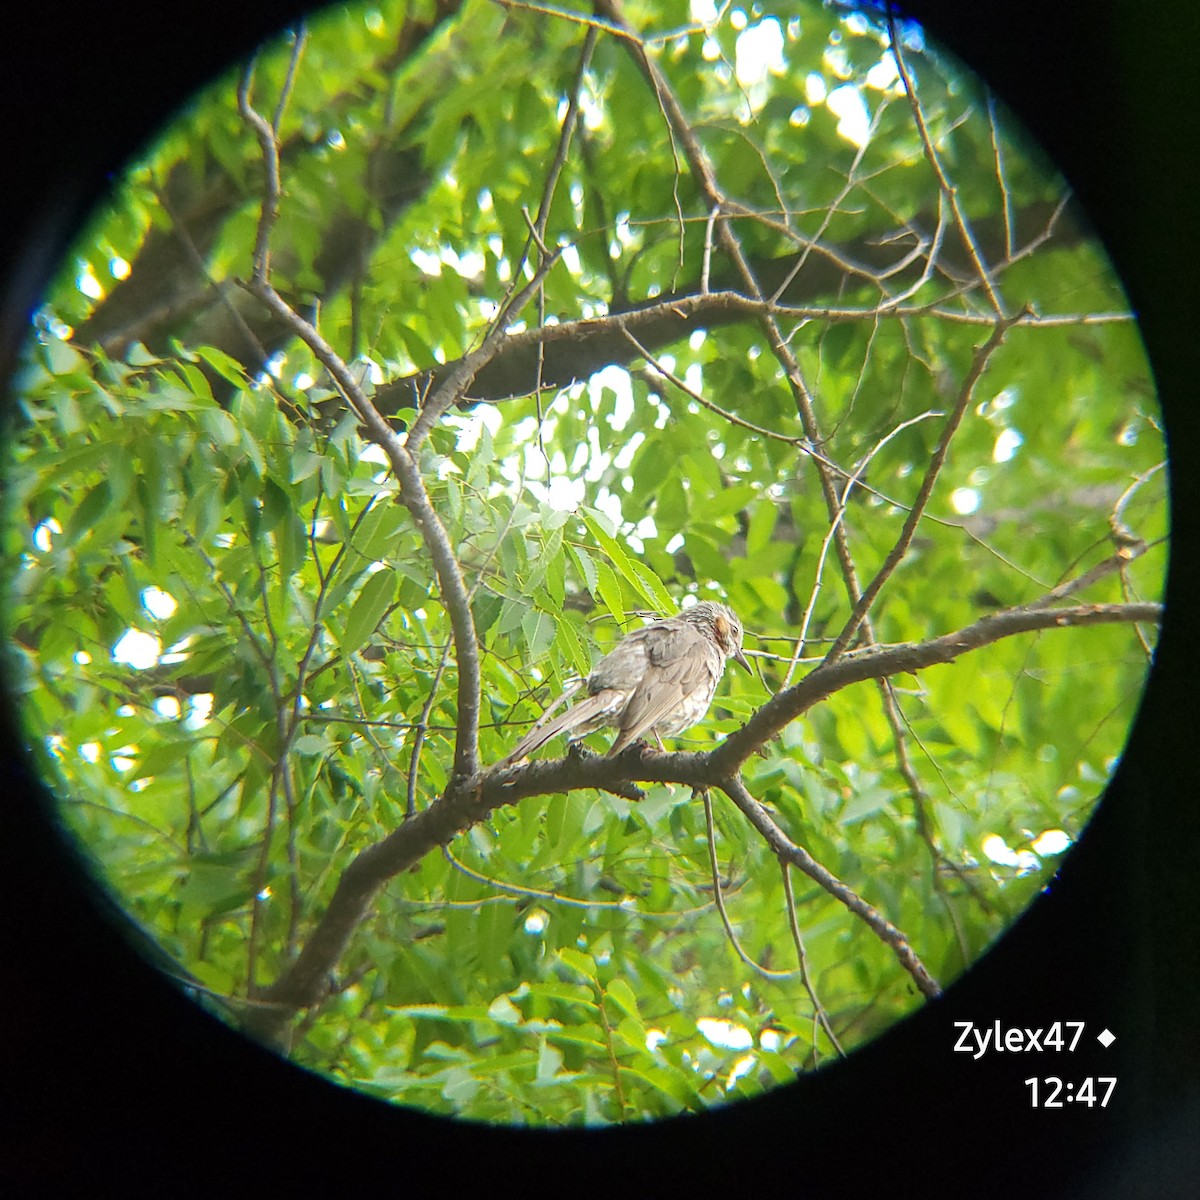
[658, 680]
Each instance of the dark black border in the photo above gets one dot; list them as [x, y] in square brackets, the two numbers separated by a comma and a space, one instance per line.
[111, 1079]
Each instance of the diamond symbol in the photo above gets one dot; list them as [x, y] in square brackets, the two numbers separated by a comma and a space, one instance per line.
[1105, 1038]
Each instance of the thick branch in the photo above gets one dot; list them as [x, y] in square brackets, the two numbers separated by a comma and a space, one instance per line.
[166, 296]
[469, 801]
[575, 350]
[416, 500]
[907, 657]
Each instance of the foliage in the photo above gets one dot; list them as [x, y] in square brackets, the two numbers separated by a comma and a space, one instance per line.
[564, 961]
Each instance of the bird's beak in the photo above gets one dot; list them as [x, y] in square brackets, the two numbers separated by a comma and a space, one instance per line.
[744, 662]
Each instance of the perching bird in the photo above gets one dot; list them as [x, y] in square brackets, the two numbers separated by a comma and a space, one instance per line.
[658, 680]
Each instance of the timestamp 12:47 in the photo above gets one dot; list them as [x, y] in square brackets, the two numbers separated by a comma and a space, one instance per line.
[1053, 1092]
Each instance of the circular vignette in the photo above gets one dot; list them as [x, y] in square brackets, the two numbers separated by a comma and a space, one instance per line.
[829, 757]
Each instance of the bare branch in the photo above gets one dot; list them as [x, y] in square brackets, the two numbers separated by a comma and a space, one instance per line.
[537, 230]
[948, 189]
[1001, 176]
[820, 1016]
[719, 900]
[1117, 562]
[878, 662]
[269, 146]
[788, 852]
[453, 387]
[852, 480]
[702, 400]
[897, 552]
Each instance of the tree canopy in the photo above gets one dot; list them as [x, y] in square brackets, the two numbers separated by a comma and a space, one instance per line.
[401, 376]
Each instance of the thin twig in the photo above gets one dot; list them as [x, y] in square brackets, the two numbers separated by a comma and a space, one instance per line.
[724, 414]
[851, 483]
[788, 852]
[221, 287]
[900, 548]
[1001, 177]
[877, 662]
[719, 900]
[943, 180]
[420, 728]
[455, 384]
[299, 40]
[1117, 562]
[819, 1013]
[1121, 532]
[269, 146]
[569, 125]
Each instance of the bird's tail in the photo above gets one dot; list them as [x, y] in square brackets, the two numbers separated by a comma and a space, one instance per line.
[581, 714]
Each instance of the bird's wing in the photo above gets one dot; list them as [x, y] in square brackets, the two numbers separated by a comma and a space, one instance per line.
[624, 664]
[676, 671]
[583, 713]
[672, 643]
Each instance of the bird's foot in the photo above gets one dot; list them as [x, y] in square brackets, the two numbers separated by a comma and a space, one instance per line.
[633, 749]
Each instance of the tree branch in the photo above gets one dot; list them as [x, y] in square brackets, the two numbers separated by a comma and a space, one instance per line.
[947, 188]
[412, 486]
[574, 350]
[897, 552]
[788, 852]
[468, 801]
[907, 657]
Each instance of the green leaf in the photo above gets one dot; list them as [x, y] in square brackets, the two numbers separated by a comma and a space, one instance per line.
[367, 610]
[610, 593]
[504, 1011]
[88, 512]
[584, 964]
[539, 630]
[622, 993]
[228, 368]
[762, 524]
[652, 588]
[160, 758]
[61, 358]
[587, 567]
[376, 534]
[305, 463]
[549, 1062]
[312, 743]
[221, 427]
[641, 579]
[574, 649]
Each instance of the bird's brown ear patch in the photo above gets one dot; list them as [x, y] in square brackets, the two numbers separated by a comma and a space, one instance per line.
[721, 625]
